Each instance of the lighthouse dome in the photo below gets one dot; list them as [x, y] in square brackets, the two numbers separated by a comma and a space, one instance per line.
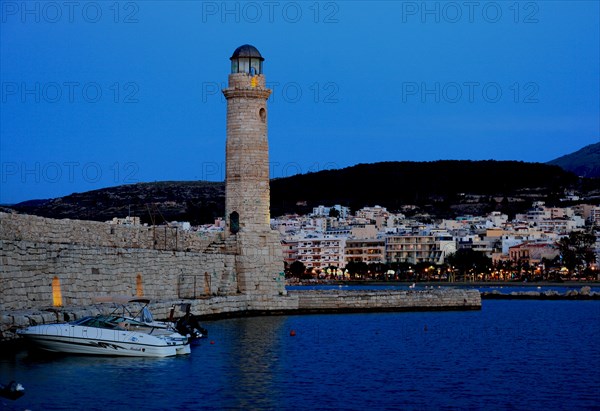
[247, 59]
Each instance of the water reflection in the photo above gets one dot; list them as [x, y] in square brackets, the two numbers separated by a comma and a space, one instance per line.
[254, 361]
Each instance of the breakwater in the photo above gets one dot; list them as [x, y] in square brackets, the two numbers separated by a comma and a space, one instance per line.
[585, 293]
[316, 301]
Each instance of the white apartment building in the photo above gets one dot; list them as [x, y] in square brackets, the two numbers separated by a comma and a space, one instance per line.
[411, 248]
[377, 215]
[496, 219]
[368, 250]
[323, 211]
[537, 213]
[395, 220]
[371, 213]
[478, 243]
[321, 252]
[289, 224]
[561, 226]
[595, 216]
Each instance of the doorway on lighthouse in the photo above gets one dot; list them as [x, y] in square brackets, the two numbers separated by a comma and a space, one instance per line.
[234, 222]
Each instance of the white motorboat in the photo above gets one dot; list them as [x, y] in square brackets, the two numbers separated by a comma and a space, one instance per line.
[107, 335]
[137, 308]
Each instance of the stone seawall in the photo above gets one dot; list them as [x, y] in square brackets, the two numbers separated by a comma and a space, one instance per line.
[30, 268]
[296, 302]
[348, 301]
[22, 227]
[82, 259]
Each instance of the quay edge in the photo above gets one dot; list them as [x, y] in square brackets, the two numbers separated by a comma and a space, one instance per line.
[295, 302]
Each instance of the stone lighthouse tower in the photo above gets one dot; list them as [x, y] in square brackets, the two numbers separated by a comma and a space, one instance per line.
[259, 261]
[247, 177]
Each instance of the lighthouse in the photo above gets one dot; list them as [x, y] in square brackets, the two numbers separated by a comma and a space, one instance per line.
[247, 156]
[259, 258]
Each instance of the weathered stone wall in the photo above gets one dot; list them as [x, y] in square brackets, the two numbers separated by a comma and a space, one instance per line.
[446, 299]
[92, 233]
[29, 268]
[89, 259]
[259, 264]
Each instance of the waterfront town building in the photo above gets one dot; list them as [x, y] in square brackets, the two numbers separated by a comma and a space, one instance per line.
[376, 235]
[322, 252]
[533, 253]
[594, 217]
[322, 211]
[420, 248]
[367, 250]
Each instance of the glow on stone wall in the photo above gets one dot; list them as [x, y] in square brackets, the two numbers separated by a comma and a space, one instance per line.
[139, 286]
[57, 300]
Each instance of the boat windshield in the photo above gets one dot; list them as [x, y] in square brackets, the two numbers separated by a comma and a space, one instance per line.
[81, 321]
[145, 315]
[97, 322]
[124, 320]
[109, 321]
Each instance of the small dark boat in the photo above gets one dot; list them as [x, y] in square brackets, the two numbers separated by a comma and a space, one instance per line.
[12, 390]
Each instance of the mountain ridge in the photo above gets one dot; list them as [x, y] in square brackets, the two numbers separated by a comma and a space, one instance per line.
[442, 188]
[584, 162]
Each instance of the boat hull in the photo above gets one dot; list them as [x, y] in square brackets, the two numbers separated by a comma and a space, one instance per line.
[66, 338]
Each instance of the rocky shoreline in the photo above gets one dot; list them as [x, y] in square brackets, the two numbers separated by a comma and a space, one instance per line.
[585, 293]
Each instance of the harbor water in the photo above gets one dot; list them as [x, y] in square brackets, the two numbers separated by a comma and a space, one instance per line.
[527, 355]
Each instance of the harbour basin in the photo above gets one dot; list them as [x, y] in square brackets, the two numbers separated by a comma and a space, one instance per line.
[512, 354]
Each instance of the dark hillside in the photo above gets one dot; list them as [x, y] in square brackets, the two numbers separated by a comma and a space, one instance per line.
[440, 188]
[393, 184]
[584, 162]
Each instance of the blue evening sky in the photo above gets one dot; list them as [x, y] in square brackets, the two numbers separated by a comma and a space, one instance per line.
[103, 93]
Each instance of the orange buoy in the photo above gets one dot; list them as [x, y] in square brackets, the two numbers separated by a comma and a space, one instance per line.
[292, 333]
[212, 342]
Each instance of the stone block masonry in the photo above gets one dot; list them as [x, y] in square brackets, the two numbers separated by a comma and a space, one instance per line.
[88, 258]
[259, 264]
[365, 301]
[247, 152]
[28, 271]
[259, 260]
[20, 227]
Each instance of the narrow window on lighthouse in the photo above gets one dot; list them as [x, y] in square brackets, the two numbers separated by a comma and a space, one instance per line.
[263, 114]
